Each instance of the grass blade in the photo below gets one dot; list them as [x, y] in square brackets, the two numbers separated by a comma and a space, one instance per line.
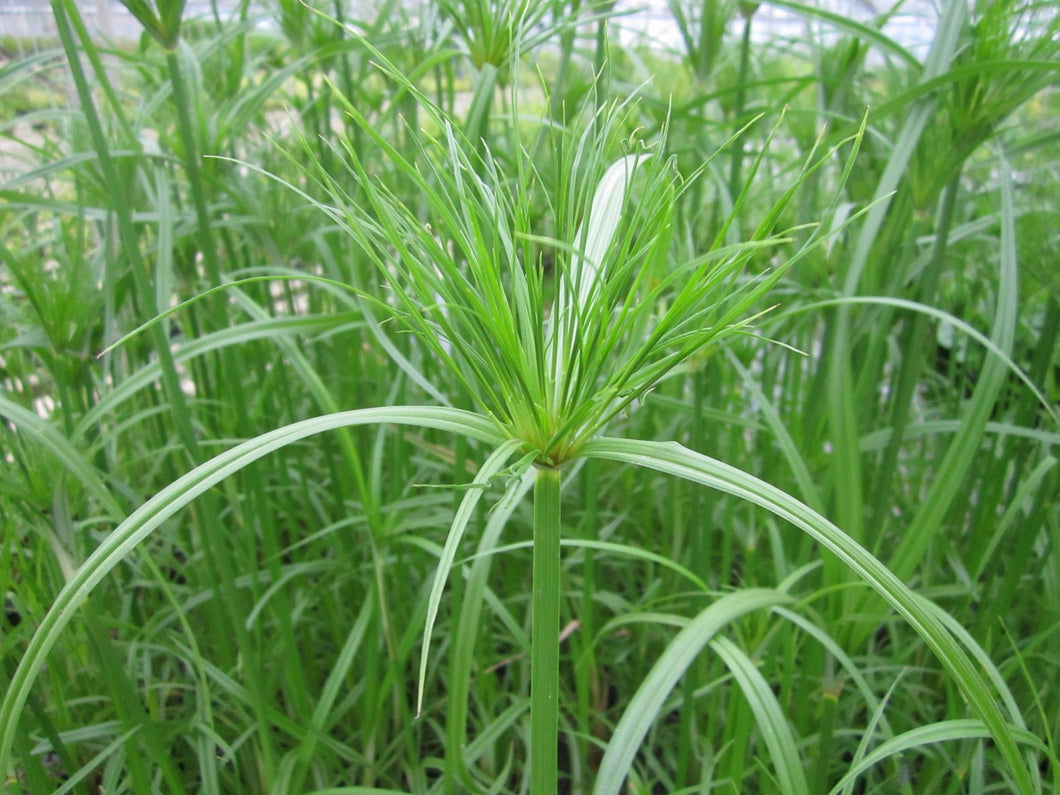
[644, 707]
[119, 543]
[776, 733]
[491, 467]
[674, 459]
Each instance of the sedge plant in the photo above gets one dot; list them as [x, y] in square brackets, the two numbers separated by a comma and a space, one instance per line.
[553, 332]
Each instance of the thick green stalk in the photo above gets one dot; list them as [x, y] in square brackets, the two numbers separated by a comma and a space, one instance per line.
[544, 638]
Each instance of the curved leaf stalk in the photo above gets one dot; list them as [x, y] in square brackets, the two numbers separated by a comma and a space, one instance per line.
[462, 648]
[492, 466]
[645, 705]
[945, 731]
[138, 526]
[674, 459]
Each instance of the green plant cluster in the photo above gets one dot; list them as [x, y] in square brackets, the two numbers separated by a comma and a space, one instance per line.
[460, 396]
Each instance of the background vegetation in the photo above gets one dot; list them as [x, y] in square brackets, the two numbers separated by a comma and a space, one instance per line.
[267, 637]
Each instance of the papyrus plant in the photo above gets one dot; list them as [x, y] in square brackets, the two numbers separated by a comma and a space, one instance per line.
[549, 356]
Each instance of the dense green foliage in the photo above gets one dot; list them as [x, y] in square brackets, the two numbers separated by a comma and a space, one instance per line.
[439, 287]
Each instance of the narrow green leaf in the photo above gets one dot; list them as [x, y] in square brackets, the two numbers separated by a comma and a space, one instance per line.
[674, 459]
[119, 543]
[847, 23]
[468, 629]
[945, 317]
[644, 707]
[961, 453]
[34, 426]
[773, 725]
[490, 468]
[941, 732]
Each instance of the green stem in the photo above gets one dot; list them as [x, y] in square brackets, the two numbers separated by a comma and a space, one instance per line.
[915, 343]
[738, 110]
[558, 87]
[478, 116]
[194, 173]
[66, 20]
[544, 638]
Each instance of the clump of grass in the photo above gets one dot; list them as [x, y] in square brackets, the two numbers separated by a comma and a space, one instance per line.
[554, 286]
